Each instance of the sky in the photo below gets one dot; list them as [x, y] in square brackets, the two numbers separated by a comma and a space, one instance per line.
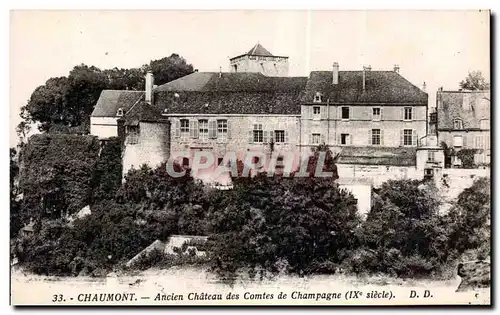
[435, 47]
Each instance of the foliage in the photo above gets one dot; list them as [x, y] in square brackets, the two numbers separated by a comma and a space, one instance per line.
[55, 175]
[403, 232]
[474, 81]
[469, 219]
[448, 152]
[322, 152]
[267, 220]
[169, 68]
[93, 245]
[63, 103]
[15, 219]
[467, 157]
[107, 175]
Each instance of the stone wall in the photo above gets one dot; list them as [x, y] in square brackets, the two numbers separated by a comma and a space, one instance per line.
[151, 147]
[269, 66]
[378, 173]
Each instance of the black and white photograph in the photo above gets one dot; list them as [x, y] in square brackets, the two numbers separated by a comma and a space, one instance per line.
[250, 157]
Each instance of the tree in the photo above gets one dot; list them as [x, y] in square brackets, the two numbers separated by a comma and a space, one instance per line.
[15, 219]
[295, 223]
[468, 221]
[474, 81]
[63, 103]
[169, 68]
[329, 161]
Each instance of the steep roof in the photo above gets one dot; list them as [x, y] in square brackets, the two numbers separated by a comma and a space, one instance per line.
[259, 50]
[380, 87]
[111, 100]
[142, 111]
[233, 82]
[231, 93]
[469, 106]
[398, 156]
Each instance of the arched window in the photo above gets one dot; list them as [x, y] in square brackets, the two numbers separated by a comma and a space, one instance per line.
[457, 123]
[119, 112]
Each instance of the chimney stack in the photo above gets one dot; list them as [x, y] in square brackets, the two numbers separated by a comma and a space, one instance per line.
[396, 68]
[149, 87]
[335, 73]
[424, 86]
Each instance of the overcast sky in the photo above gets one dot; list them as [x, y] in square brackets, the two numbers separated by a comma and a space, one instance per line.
[438, 47]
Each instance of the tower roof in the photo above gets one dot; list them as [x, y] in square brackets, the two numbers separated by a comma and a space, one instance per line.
[258, 50]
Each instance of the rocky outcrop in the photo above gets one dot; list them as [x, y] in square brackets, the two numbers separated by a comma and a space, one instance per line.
[474, 274]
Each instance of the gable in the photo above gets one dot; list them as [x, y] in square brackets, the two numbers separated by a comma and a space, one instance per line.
[111, 100]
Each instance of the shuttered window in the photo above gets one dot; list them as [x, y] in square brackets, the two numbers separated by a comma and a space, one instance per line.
[203, 130]
[222, 130]
[184, 129]
[212, 129]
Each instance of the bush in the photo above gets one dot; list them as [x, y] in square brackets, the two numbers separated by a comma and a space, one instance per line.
[269, 219]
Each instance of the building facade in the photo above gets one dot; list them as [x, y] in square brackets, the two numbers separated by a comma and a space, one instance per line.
[375, 121]
[463, 122]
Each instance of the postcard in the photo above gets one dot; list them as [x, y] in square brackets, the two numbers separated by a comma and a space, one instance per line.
[251, 157]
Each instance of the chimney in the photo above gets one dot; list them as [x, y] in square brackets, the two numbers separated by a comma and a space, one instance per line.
[335, 73]
[396, 68]
[424, 86]
[149, 87]
[220, 72]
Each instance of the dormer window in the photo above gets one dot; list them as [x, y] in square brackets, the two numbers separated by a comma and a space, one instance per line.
[317, 97]
[457, 123]
[119, 112]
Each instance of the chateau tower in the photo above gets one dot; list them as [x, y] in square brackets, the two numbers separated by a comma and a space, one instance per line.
[259, 59]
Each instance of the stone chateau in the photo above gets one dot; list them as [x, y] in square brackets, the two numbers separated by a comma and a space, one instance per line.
[376, 121]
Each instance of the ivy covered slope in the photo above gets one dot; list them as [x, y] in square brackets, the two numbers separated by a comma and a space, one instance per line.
[61, 173]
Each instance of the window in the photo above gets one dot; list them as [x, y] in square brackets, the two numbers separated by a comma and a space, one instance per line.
[203, 130]
[279, 136]
[184, 129]
[484, 124]
[119, 112]
[317, 98]
[457, 124]
[133, 134]
[344, 138]
[408, 113]
[222, 129]
[408, 137]
[345, 112]
[431, 156]
[376, 113]
[316, 112]
[258, 133]
[185, 161]
[316, 138]
[458, 141]
[375, 136]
